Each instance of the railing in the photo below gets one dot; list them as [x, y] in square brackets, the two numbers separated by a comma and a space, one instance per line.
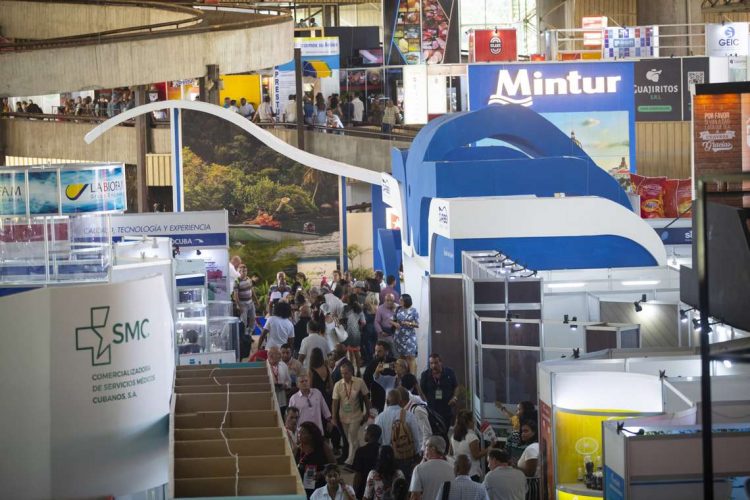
[404, 134]
[197, 22]
[401, 134]
[672, 39]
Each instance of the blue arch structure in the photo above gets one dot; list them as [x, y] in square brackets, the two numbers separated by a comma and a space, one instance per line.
[444, 162]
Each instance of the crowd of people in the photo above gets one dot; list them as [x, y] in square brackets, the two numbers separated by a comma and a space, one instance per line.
[333, 112]
[343, 358]
[80, 106]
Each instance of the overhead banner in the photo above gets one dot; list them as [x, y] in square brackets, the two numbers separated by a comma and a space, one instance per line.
[727, 39]
[63, 190]
[497, 45]
[601, 93]
[658, 95]
[320, 59]
[13, 193]
[638, 41]
[94, 388]
[421, 31]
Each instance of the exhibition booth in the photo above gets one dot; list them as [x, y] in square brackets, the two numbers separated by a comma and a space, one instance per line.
[612, 424]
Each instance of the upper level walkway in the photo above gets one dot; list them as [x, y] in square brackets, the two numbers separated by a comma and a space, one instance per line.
[70, 45]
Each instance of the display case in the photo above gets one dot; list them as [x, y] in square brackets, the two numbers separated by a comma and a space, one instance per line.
[191, 322]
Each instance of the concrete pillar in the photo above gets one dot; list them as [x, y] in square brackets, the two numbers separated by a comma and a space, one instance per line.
[143, 135]
[676, 12]
[210, 95]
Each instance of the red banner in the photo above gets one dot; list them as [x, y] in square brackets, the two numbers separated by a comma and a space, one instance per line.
[492, 45]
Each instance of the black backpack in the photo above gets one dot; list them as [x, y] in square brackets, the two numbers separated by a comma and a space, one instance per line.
[437, 424]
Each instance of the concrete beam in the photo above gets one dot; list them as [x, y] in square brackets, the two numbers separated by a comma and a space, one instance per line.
[44, 139]
[43, 20]
[141, 62]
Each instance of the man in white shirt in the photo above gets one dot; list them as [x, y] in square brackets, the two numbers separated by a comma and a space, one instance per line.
[234, 267]
[462, 488]
[246, 109]
[430, 475]
[315, 338]
[295, 367]
[310, 403]
[233, 106]
[358, 109]
[504, 482]
[335, 488]
[290, 110]
[415, 405]
[290, 425]
[265, 112]
[281, 379]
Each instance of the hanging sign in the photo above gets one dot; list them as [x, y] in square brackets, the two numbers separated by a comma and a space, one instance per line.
[658, 95]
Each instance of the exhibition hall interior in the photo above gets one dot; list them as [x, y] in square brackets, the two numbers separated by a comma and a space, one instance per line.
[375, 250]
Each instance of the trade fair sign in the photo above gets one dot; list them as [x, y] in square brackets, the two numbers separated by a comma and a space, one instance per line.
[721, 132]
[592, 102]
[637, 41]
[729, 40]
[63, 190]
[658, 95]
[320, 59]
[93, 391]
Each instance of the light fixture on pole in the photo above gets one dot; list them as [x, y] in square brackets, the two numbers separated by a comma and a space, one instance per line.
[684, 315]
[637, 303]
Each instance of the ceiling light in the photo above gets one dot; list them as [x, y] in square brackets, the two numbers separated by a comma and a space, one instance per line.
[566, 285]
[641, 282]
[727, 363]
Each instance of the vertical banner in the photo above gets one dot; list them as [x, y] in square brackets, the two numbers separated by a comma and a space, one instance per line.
[694, 71]
[745, 106]
[13, 195]
[402, 32]
[658, 95]
[440, 36]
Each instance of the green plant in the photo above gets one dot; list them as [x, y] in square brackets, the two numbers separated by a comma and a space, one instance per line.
[353, 251]
[266, 258]
[361, 273]
[261, 291]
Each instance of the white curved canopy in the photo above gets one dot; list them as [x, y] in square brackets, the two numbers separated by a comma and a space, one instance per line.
[270, 140]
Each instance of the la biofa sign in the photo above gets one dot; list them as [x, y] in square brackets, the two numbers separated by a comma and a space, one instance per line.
[593, 103]
[63, 190]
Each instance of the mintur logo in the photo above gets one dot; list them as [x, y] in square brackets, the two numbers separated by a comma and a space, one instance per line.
[522, 89]
[95, 337]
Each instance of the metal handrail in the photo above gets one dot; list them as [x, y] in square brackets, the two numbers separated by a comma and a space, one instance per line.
[351, 131]
[199, 22]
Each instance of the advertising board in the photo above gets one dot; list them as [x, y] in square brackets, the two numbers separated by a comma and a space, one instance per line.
[601, 93]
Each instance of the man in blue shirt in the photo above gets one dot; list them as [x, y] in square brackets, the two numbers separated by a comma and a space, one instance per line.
[438, 384]
[309, 110]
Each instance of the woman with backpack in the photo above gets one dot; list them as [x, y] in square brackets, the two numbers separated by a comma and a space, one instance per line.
[380, 480]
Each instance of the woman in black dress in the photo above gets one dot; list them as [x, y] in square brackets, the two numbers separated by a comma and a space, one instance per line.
[312, 456]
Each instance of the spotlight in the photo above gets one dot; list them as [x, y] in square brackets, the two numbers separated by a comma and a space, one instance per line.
[566, 319]
[697, 325]
[197, 252]
[683, 314]
[573, 325]
[637, 303]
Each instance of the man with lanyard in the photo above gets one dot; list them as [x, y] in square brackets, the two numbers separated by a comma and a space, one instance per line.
[281, 379]
[348, 395]
[310, 403]
[439, 386]
[290, 424]
[244, 299]
[382, 356]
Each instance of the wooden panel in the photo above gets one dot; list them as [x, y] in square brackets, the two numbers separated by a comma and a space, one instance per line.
[663, 149]
[718, 17]
[658, 322]
[159, 170]
[620, 12]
